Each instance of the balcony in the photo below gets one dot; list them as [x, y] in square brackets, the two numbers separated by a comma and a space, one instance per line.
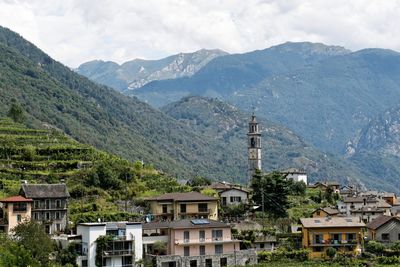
[218, 240]
[332, 242]
[153, 239]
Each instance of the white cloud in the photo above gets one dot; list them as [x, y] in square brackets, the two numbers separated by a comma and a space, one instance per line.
[75, 31]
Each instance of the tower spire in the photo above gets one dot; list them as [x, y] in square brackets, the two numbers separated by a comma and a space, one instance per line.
[253, 147]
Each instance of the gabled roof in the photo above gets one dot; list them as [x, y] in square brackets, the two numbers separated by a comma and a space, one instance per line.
[15, 199]
[223, 186]
[189, 196]
[380, 221]
[359, 200]
[332, 222]
[294, 170]
[44, 191]
[328, 210]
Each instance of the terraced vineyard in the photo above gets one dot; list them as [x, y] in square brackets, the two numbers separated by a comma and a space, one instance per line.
[40, 155]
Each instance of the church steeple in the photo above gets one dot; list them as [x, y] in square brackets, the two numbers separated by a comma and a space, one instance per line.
[253, 147]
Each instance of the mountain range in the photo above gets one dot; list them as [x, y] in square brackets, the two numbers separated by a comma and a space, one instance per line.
[192, 137]
[136, 73]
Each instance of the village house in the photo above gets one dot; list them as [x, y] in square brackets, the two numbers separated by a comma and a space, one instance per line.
[385, 229]
[14, 210]
[297, 175]
[50, 202]
[367, 208]
[230, 194]
[123, 248]
[342, 233]
[196, 242]
[176, 206]
[324, 185]
[324, 212]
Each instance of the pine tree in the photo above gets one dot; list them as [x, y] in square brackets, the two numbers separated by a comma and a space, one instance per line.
[16, 113]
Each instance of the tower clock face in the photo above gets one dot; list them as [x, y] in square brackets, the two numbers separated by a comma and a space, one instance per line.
[253, 153]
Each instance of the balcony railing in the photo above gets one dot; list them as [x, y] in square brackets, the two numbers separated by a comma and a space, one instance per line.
[205, 240]
[109, 253]
[332, 242]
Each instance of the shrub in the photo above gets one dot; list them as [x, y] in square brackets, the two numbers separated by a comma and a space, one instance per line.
[330, 252]
[375, 247]
[388, 260]
[298, 255]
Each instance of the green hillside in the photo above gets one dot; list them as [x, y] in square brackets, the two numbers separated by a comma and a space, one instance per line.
[281, 148]
[52, 94]
[97, 181]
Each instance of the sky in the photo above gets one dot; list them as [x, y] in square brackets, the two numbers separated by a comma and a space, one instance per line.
[77, 31]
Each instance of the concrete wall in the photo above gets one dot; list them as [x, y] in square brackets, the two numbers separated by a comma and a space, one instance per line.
[89, 235]
[238, 258]
[134, 232]
[297, 177]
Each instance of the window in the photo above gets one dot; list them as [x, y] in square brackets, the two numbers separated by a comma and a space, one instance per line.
[19, 207]
[398, 237]
[164, 209]
[47, 203]
[202, 250]
[223, 262]
[186, 251]
[58, 203]
[47, 215]
[219, 249]
[236, 199]
[318, 213]
[318, 239]
[208, 262]
[193, 263]
[58, 227]
[36, 204]
[19, 218]
[183, 208]
[202, 235]
[186, 236]
[217, 235]
[261, 245]
[36, 215]
[385, 236]
[351, 237]
[84, 263]
[203, 207]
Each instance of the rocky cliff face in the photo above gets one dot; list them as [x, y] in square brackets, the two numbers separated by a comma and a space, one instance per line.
[136, 73]
[381, 135]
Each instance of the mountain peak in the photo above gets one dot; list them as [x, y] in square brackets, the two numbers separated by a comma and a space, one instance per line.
[311, 48]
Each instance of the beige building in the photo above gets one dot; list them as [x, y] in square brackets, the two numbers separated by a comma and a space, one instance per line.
[176, 206]
[196, 242]
[14, 210]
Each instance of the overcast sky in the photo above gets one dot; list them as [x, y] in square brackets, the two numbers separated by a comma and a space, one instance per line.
[76, 31]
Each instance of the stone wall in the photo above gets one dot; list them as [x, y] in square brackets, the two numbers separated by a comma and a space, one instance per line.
[238, 258]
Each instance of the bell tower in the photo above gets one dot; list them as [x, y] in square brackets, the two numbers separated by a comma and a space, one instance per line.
[253, 147]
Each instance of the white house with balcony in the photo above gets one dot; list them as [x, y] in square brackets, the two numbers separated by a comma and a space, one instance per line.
[123, 246]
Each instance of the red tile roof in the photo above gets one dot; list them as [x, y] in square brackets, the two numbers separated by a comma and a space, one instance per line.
[16, 199]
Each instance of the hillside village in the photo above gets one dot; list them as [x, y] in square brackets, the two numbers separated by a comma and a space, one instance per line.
[277, 216]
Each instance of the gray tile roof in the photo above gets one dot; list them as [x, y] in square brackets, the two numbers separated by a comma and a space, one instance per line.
[331, 222]
[381, 220]
[44, 191]
[188, 196]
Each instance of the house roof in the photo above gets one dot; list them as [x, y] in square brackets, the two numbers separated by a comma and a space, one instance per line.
[186, 224]
[15, 199]
[294, 170]
[381, 220]
[332, 222]
[359, 200]
[223, 186]
[189, 196]
[328, 210]
[45, 191]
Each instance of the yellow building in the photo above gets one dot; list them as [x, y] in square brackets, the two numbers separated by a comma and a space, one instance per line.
[15, 210]
[345, 234]
[176, 206]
